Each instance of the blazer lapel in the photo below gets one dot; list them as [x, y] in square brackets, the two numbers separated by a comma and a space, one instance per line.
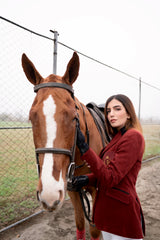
[114, 140]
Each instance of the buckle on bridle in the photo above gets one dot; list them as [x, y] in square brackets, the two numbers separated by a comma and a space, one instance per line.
[70, 173]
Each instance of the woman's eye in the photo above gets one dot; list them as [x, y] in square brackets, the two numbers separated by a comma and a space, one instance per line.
[108, 111]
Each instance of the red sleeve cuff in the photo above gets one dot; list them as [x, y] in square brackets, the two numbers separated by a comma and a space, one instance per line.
[92, 180]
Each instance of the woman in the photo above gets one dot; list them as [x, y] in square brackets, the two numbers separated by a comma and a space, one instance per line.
[117, 211]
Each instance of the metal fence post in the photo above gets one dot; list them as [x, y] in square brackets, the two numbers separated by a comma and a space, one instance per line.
[55, 51]
[139, 108]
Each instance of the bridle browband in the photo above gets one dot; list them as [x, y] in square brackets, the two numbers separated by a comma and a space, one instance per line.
[70, 153]
[55, 85]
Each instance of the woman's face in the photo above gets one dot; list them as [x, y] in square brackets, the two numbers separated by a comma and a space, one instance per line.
[116, 114]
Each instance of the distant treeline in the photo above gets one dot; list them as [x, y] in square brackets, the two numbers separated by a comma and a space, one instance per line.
[150, 121]
[17, 117]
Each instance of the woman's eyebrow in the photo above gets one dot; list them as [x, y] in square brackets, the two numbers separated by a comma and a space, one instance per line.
[116, 106]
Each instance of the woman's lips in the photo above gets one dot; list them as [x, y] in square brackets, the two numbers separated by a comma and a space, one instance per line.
[113, 120]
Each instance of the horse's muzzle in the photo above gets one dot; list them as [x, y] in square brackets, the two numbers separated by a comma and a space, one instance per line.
[55, 204]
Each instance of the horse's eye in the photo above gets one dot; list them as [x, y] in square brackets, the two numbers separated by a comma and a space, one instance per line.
[33, 116]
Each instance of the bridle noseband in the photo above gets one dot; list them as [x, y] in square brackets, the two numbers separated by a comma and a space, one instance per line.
[70, 153]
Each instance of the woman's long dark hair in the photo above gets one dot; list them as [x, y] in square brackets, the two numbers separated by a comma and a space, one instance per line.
[132, 122]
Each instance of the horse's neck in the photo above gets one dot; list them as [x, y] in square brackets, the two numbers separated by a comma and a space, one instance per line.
[95, 141]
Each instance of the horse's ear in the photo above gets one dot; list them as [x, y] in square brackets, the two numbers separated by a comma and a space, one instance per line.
[72, 70]
[31, 72]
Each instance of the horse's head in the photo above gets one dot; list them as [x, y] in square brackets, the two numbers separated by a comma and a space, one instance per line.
[53, 115]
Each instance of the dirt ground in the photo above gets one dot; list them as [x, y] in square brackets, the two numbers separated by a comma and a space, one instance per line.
[61, 225]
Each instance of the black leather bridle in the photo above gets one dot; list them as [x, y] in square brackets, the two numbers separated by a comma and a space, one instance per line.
[70, 153]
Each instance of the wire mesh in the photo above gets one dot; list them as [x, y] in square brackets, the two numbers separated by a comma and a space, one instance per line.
[18, 175]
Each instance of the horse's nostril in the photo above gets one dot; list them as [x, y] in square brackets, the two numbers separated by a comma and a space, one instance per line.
[61, 195]
[38, 196]
[56, 203]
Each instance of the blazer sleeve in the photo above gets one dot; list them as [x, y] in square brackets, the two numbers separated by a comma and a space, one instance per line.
[129, 150]
[92, 179]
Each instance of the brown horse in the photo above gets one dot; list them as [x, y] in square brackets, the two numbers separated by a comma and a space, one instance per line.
[54, 114]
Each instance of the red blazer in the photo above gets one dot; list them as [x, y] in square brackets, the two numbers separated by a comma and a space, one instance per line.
[117, 207]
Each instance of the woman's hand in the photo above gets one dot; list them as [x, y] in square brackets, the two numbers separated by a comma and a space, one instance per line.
[77, 183]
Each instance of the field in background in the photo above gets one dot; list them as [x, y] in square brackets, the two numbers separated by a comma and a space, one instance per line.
[152, 140]
[18, 174]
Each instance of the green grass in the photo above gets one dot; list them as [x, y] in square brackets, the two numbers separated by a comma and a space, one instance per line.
[14, 210]
[18, 173]
[5, 124]
[152, 140]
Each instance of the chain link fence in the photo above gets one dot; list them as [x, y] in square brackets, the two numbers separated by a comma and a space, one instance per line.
[18, 174]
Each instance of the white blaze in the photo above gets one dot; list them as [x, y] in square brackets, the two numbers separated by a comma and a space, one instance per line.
[50, 187]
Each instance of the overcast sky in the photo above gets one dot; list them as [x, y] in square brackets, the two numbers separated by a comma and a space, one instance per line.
[124, 34]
